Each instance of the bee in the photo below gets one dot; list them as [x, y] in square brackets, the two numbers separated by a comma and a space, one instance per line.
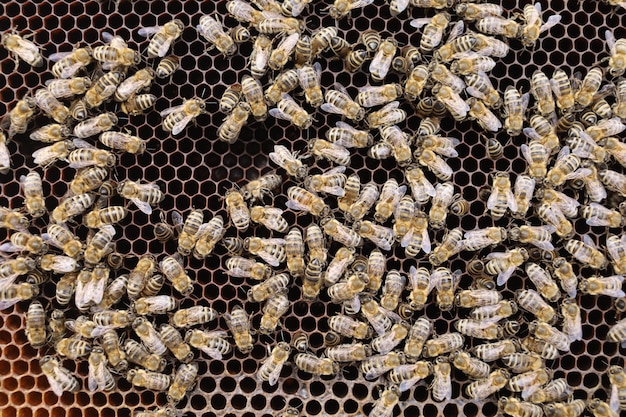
[350, 327]
[313, 280]
[231, 127]
[98, 218]
[421, 188]
[280, 25]
[123, 141]
[132, 85]
[441, 74]
[348, 353]
[384, 405]
[554, 217]
[450, 246]
[475, 11]
[618, 388]
[501, 195]
[617, 48]
[99, 375]
[13, 293]
[523, 192]
[532, 302]
[570, 408]
[67, 64]
[564, 272]
[376, 365]
[193, 316]
[444, 194]
[503, 264]
[533, 25]
[182, 382]
[540, 88]
[571, 319]
[115, 356]
[230, 98]
[477, 298]
[416, 82]
[399, 143]
[268, 288]
[273, 310]
[174, 342]
[470, 366]
[390, 114]
[100, 245]
[555, 390]
[479, 85]
[148, 379]
[490, 352]
[243, 11]
[338, 267]
[616, 149]
[289, 162]
[601, 408]
[56, 327]
[514, 407]
[116, 54]
[36, 325]
[616, 246]
[563, 92]
[442, 344]
[73, 348]
[485, 117]
[153, 285]
[479, 390]
[329, 182]
[341, 8]
[303, 52]
[303, 200]
[311, 364]
[457, 107]
[19, 117]
[88, 179]
[102, 89]
[294, 251]
[260, 56]
[613, 181]
[271, 251]
[339, 102]
[550, 334]
[88, 155]
[606, 128]
[610, 286]
[175, 273]
[151, 305]
[381, 236]
[433, 30]
[543, 282]
[25, 242]
[418, 333]
[446, 283]
[588, 89]
[210, 234]
[67, 88]
[177, 117]
[286, 82]
[58, 263]
[65, 288]
[167, 66]
[279, 56]
[598, 215]
[213, 343]
[347, 290]
[476, 240]
[364, 202]
[20, 47]
[498, 25]
[162, 37]
[212, 31]
[479, 329]
[149, 336]
[376, 316]
[253, 93]
[586, 252]
[145, 268]
[142, 195]
[617, 333]
[340, 47]
[137, 353]
[270, 369]
[619, 107]
[51, 106]
[239, 324]
[51, 133]
[387, 342]
[441, 384]
[247, 268]
[59, 378]
[190, 231]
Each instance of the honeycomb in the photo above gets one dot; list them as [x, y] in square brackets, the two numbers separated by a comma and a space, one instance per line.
[229, 387]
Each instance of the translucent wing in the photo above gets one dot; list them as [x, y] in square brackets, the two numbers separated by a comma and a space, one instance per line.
[587, 241]
[279, 114]
[543, 244]
[212, 352]
[92, 379]
[552, 21]
[171, 110]
[456, 30]
[57, 56]
[274, 375]
[10, 247]
[426, 245]
[8, 303]
[531, 133]
[5, 282]
[56, 386]
[511, 201]
[149, 31]
[504, 276]
[493, 199]
[614, 402]
[63, 264]
[418, 23]
[329, 108]
[142, 205]
[82, 144]
[178, 127]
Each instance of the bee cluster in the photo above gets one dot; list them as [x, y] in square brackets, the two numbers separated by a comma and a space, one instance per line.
[349, 231]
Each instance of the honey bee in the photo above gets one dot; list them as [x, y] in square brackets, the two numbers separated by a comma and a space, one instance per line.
[162, 37]
[209, 235]
[514, 407]
[239, 324]
[533, 25]
[233, 123]
[230, 98]
[142, 195]
[339, 102]
[442, 383]
[598, 215]
[260, 56]
[387, 342]
[349, 327]
[398, 141]
[237, 209]
[450, 246]
[145, 268]
[5, 156]
[498, 25]
[433, 30]
[271, 251]
[501, 196]
[59, 378]
[490, 352]
[523, 192]
[589, 86]
[605, 128]
[49, 154]
[102, 89]
[67, 64]
[243, 11]
[616, 149]
[416, 82]
[90, 286]
[303, 200]
[167, 66]
[149, 336]
[614, 181]
[381, 62]
[485, 117]
[212, 31]
[610, 286]
[58, 263]
[100, 245]
[479, 85]
[36, 325]
[65, 288]
[544, 331]
[273, 310]
[479, 329]
[586, 252]
[98, 218]
[148, 379]
[268, 288]
[374, 366]
[476, 240]
[617, 48]
[182, 382]
[289, 162]
[571, 319]
[482, 389]
[262, 186]
[294, 251]
[543, 282]
[554, 217]
[88, 179]
[137, 353]
[25, 242]
[339, 266]
[503, 264]
[56, 327]
[177, 117]
[329, 182]
[116, 54]
[253, 93]
[444, 194]
[311, 364]
[279, 56]
[22, 48]
[151, 305]
[247, 268]
[381, 236]
[68, 88]
[421, 188]
[212, 343]
[442, 344]
[291, 111]
[11, 294]
[20, 116]
[472, 367]
[555, 390]
[73, 348]
[175, 273]
[193, 316]
[347, 290]
[174, 342]
[270, 369]
[532, 302]
[99, 376]
[390, 114]
[457, 107]
[116, 357]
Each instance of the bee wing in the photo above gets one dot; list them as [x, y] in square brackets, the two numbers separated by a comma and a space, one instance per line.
[456, 30]
[260, 56]
[212, 352]
[53, 242]
[57, 56]
[493, 199]
[63, 263]
[426, 241]
[269, 258]
[614, 402]
[149, 30]
[142, 205]
[579, 173]
[552, 21]
[92, 379]
[237, 272]
[100, 330]
[317, 67]
[5, 282]
[274, 375]
[504, 276]
[531, 133]
[344, 125]
[528, 391]
[380, 242]
[5, 157]
[98, 290]
[418, 23]
[10, 247]
[82, 144]
[43, 155]
[360, 3]
[178, 127]
[279, 114]
[593, 221]
[55, 383]
[511, 201]
[8, 303]
[171, 110]
[408, 383]
[390, 106]
[330, 108]
[542, 244]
